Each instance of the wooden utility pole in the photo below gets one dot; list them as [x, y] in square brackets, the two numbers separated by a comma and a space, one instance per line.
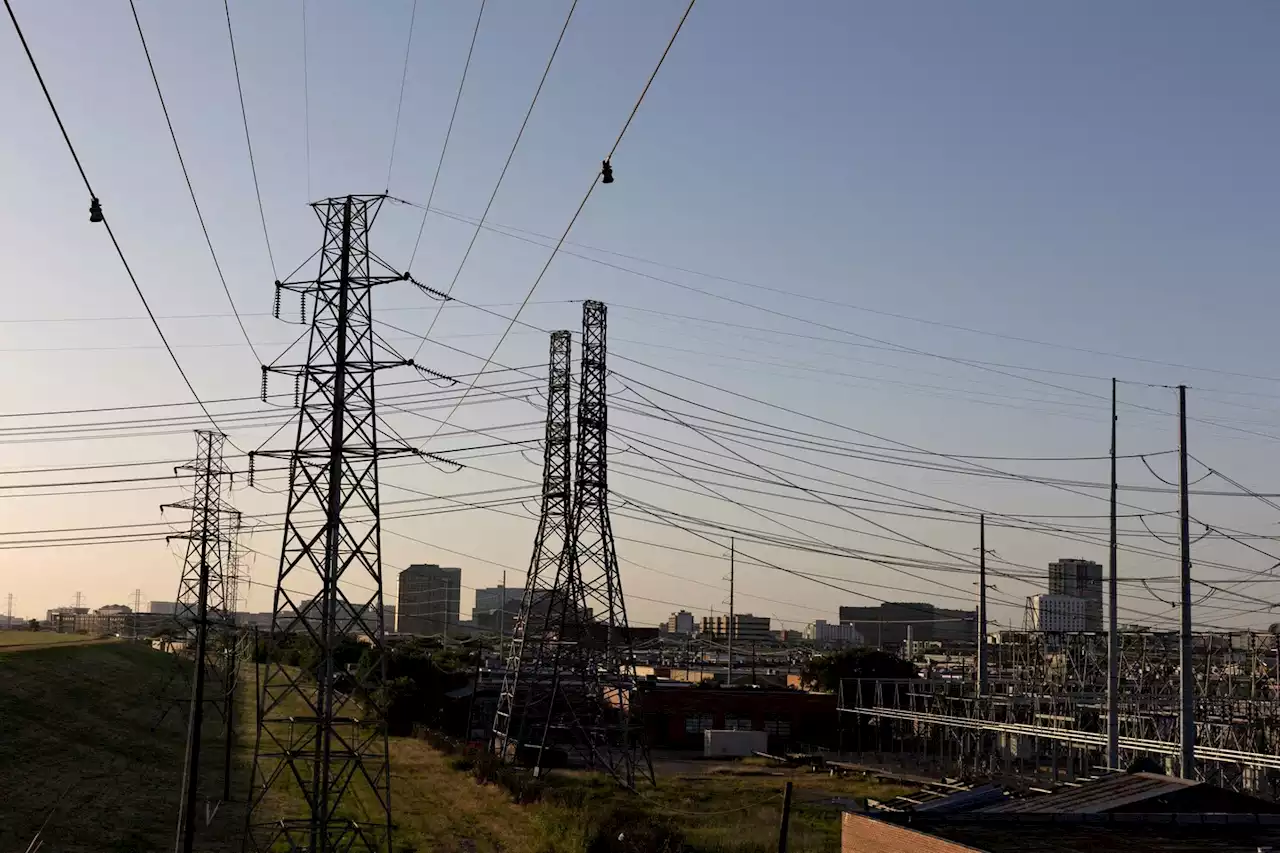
[732, 551]
[982, 605]
[786, 820]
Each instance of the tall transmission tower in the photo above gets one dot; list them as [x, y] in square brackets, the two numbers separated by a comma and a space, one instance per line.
[571, 677]
[615, 732]
[528, 685]
[322, 727]
[202, 615]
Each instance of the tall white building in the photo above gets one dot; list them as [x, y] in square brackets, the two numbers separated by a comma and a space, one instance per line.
[1053, 614]
[1080, 579]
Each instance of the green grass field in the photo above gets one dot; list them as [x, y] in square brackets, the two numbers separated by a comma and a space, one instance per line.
[77, 748]
[20, 640]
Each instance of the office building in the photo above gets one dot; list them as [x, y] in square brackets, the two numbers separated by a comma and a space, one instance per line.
[826, 635]
[885, 625]
[164, 608]
[430, 599]
[746, 628]
[1054, 614]
[69, 620]
[496, 610]
[680, 623]
[1080, 579]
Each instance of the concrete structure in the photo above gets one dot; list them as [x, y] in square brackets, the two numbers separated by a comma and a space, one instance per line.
[69, 620]
[823, 633]
[165, 608]
[430, 599]
[680, 623]
[885, 625]
[1055, 614]
[1080, 579]
[747, 628]
[676, 716]
[496, 610]
[733, 743]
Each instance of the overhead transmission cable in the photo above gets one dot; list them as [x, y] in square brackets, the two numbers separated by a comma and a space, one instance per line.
[106, 223]
[248, 140]
[498, 185]
[404, 79]
[595, 181]
[448, 134]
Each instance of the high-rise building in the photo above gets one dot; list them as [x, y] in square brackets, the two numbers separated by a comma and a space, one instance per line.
[430, 599]
[1055, 613]
[496, 609]
[1080, 579]
[746, 628]
[680, 623]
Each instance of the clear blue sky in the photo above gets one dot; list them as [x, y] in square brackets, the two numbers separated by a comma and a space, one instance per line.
[1090, 175]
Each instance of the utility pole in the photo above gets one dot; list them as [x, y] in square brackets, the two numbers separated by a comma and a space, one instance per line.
[1113, 629]
[8, 621]
[315, 729]
[79, 599]
[732, 555]
[1187, 721]
[983, 686]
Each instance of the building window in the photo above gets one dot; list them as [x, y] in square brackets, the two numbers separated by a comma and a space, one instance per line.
[735, 722]
[697, 724]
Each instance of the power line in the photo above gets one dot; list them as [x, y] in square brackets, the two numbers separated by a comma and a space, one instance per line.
[498, 185]
[462, 82]
[105, 221]
[595, 181]
[248, 140]
[404, 78]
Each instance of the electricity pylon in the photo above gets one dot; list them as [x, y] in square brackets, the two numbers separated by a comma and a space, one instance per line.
[322, 726]
[573, 648]
[529, 682]
[206, 623]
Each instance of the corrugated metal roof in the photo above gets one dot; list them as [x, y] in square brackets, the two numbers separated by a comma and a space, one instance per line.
[1098, 796]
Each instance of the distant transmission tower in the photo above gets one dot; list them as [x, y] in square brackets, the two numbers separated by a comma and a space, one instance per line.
[321, 738]
[202, 615]
[571, 678]
[615, 732]
[529, 682]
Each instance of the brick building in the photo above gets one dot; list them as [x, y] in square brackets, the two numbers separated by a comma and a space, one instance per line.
[676, 716]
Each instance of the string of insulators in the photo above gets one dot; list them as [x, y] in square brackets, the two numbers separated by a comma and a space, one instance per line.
[275, 306]
[264, 383]
[252, 456]
[302, 306]
[297, 389]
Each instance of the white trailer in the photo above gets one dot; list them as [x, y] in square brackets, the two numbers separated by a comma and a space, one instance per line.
[733, 743]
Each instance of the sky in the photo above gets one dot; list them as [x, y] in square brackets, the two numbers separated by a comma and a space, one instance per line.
[889, 228]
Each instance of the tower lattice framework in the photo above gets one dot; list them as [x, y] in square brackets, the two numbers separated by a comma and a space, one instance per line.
[322, 725]
[573, 650]
[528, 685]
[205, 615]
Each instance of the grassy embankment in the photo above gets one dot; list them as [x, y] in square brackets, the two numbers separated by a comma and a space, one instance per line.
[77, 747]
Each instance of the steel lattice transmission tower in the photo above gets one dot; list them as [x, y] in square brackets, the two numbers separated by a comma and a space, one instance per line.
[322, 727]
[615, 733]
[571, 678]
[528, 685]
[206, 617]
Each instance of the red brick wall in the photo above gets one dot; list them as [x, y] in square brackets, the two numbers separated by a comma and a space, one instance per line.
[862, 834]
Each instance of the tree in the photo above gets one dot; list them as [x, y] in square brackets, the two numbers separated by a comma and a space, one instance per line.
[826, 672]
[33, 625]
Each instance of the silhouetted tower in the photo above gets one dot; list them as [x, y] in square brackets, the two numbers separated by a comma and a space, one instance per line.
[610, 718]
[202, 615]
[529, 683]
[322, 728]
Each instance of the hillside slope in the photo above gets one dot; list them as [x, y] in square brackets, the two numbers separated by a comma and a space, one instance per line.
[77, 748]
